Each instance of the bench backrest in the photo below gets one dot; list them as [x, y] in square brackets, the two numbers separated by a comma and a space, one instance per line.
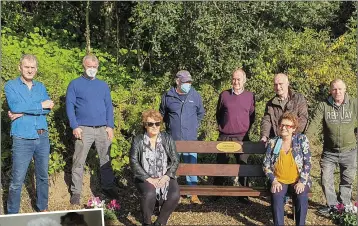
[207, 147]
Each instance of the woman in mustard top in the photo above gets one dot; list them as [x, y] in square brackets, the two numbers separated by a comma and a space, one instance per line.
[287, 164]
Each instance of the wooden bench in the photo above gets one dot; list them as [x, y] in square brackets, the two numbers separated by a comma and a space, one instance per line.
[228, 170]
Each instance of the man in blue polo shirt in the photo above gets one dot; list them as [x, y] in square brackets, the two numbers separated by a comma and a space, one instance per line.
[28, 103]
[90, 112]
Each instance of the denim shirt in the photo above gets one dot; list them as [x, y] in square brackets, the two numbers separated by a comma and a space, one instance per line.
[301, 154]
[21, 99]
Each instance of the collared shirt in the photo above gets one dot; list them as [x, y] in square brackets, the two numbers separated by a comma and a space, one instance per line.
[233, 92]
[27, 101]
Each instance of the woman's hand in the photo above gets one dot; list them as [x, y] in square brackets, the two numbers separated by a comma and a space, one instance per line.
[276, 186]
[153, 181]
[299, 187]
[161, 182]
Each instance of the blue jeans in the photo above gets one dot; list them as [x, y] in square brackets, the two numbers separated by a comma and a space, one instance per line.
[23, 150]
[190, 158]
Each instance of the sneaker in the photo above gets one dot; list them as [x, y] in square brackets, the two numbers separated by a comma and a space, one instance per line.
[75, 199]
[195, 200]
[327, 210]
[286, 200]
[111, 193]
[244, 200]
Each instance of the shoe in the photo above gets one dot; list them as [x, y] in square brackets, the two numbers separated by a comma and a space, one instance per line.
[75, 199]
[327, 210]
[156, 223]
[111, 193]
[244, 200]
[195, 200]
[156, 211]
[42, 211]
[286, 200]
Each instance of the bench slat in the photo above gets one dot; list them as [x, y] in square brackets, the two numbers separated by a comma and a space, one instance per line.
[211, 190]
[207, 190]
[210, 147]
[220, 170]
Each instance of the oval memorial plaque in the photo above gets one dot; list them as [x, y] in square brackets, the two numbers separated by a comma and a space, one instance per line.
[229, 146]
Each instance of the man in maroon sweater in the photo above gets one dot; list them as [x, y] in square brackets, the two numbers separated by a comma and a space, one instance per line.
[235, 115]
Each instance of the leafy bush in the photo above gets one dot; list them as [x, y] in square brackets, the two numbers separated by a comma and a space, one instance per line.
[309, 56]
[345, 215]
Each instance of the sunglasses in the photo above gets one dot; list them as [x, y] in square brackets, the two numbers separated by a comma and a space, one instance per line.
[151, 124]
[287, 126]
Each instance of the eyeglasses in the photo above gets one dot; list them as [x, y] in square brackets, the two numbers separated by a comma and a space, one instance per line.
[287, 126]
[151, 124]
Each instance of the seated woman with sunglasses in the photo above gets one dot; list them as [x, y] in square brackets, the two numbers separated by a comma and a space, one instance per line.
[154, 161]
[287, 164]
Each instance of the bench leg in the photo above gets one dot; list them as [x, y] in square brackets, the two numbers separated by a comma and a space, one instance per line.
[293, 208]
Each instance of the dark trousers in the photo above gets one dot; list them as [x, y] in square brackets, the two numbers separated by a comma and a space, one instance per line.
[300, 200]
[223, 158]
[148, 201]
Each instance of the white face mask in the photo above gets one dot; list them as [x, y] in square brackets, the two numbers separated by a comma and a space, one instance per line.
[91, 72]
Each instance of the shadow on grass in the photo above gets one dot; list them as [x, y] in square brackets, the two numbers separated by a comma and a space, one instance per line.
[247, 214]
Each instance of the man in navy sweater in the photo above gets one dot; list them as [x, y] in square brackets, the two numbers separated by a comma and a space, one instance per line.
[235, 115]
[182, 109]
[90, 112]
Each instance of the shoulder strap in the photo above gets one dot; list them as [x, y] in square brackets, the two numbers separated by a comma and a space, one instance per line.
[278, 145]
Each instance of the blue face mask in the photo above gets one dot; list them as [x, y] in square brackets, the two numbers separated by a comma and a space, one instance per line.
[185, 87]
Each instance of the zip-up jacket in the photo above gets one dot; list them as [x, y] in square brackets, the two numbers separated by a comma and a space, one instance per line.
[338, 124]
[136, 156]
[296, 104]
[182, 118]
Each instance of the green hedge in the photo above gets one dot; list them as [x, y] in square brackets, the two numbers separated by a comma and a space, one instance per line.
[311, 59]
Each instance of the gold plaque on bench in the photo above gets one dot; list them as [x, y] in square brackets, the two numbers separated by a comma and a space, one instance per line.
[229, 146]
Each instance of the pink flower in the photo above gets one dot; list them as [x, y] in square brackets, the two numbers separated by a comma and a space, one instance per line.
[113, 205]
[340, 207]
[95, 202]
[356, 204]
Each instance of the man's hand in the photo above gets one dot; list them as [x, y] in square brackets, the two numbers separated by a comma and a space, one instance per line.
[299, 187]
[264, 139]
[276, 186]
[47, 104]
[14, 116]
[162, 181]
[153, 181]
[77, 133]
[109, 131]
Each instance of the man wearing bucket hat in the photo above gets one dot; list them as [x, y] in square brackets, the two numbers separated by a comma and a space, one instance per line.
[182, 109]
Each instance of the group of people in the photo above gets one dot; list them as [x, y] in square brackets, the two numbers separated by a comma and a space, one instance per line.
[90, 112]
[153, 157]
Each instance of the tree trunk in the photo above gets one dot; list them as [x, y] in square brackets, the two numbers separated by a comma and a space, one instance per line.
[108, 11]
[88, 37]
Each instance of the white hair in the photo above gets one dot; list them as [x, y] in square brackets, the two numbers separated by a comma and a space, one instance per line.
[43, 221]
[90, 57]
